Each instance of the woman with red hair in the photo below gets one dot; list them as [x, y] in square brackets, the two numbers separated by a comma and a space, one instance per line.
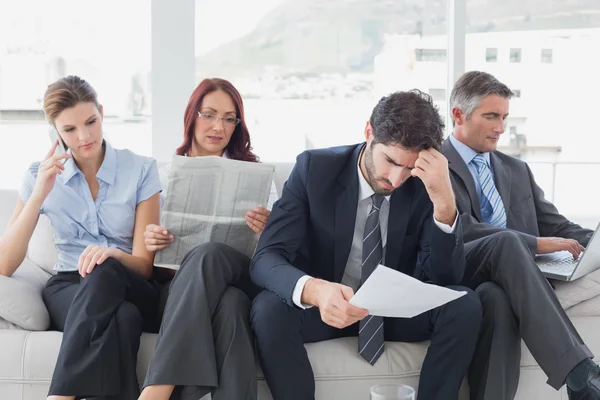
[205, 344]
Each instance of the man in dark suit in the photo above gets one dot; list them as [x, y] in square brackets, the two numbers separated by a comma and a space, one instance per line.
[506, 222]
[342, 212]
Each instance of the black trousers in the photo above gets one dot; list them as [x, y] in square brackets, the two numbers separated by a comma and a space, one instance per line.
[518, 302]
[205, 344]
[281, 332]
[102, 317]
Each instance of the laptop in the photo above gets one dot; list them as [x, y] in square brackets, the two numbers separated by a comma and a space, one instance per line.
[561, 265]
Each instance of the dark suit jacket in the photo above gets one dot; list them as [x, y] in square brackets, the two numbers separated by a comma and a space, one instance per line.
[527, 211]
[311, 227]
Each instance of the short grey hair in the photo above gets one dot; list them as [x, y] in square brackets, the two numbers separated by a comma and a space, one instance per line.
[474, 86]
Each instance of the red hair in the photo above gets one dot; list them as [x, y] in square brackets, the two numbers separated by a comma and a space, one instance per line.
[239, 147]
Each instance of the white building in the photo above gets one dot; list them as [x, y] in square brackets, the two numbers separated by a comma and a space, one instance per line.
[553, 73]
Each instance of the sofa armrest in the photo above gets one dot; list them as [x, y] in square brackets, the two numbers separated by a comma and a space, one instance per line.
[21, 297]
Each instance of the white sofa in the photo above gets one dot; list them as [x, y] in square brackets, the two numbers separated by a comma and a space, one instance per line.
[28, 352]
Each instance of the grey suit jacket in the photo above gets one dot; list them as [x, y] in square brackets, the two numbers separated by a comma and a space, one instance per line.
[527, 211]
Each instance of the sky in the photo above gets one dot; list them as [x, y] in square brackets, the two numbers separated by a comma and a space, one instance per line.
[225, 20]
[117, 28]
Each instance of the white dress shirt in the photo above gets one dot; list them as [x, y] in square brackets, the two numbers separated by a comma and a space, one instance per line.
[352, 272]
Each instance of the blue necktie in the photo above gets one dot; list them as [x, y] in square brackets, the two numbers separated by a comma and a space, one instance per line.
[498, 214]
[370, 329]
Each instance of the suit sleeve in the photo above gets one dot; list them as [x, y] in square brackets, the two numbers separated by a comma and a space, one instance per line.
[271, 267]
[551, 222]
[442, 255]
[474, 230]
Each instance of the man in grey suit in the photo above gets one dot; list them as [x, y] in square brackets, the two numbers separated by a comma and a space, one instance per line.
[506, 221]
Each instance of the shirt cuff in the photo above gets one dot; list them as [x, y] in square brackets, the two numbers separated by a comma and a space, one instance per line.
[297, 293]
[446, 228]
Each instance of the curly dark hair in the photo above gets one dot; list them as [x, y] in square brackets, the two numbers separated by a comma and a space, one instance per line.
[409, 119]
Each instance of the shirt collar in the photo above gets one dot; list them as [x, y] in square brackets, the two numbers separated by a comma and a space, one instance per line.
[108, 169]
[70, 169]
[364, 189]
[106, 172]
[465, 152]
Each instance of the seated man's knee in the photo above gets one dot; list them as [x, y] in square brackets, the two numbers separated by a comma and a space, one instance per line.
[509, 240]
[466, 311]
[269, 313]
[511, 255]
[493, 297]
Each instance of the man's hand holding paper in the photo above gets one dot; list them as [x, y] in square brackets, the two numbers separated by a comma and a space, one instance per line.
[389, 293]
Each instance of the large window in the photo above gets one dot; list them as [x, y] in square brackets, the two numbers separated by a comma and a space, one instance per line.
[310, 72]
[548, 59]
[41, 41]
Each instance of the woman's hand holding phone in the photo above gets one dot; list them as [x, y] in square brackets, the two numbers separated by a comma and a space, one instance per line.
[47, 171]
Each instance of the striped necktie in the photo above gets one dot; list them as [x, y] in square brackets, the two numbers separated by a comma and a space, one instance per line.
[498, 214]
[370, 329]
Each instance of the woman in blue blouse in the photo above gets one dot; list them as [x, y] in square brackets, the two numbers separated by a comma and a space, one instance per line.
[99, 201]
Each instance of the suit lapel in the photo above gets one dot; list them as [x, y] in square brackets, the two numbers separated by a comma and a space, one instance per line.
[458, 166]
[346, 203]
[400, 210]
[502, 177]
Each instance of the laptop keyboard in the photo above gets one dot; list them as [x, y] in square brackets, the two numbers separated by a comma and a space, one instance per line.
[562, 265]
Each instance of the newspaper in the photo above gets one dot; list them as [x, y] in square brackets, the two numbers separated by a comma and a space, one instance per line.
[207, 200]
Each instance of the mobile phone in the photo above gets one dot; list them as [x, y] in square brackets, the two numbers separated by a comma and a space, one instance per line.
[60, 149]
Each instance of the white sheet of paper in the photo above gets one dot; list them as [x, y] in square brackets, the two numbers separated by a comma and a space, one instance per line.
[389, 293]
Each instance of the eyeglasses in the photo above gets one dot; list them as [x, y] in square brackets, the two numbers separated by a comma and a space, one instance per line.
[230, 121]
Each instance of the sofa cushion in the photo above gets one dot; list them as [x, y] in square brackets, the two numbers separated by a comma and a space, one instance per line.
[8, 201]
[282, 171]
[4, 324]
[578, 291]
[42, 250]
[588, 308]
[31, 357]
[28, 360]
[21, 301]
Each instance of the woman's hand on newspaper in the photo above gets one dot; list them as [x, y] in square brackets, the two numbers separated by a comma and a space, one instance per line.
[157, 238]
[257, 219]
